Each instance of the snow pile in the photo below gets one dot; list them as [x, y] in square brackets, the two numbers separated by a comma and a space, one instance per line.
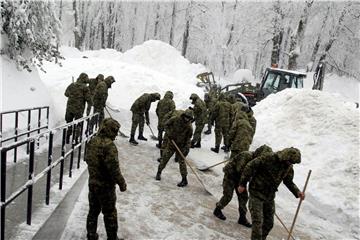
[243, 75]
[326, 130]
[19, 90]
[164, 58]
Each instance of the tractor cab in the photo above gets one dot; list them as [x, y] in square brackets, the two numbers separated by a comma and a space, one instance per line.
[276, 80]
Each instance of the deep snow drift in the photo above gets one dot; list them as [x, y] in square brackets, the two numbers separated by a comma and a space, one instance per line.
[326, 130]
[321, 124]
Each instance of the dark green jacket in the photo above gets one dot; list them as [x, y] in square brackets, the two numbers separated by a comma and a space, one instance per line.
[265, 174]
[78, 94]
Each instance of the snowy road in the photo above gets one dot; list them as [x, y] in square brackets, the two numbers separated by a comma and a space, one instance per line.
[161, 210]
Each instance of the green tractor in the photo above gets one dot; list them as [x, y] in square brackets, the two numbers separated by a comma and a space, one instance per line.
[274, 80]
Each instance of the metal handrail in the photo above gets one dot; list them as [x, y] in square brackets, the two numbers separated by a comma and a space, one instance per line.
[76, 144]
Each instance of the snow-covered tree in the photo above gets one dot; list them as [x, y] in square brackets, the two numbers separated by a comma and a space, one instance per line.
[30, 32]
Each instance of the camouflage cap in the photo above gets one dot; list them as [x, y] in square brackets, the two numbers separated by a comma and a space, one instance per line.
[291, 154]
[100, 77]
[194, 96]
[262, 150]
[155, 96]
[109, 80]
[83, 77]
[109, 127]
[188, 113]
[169, 94]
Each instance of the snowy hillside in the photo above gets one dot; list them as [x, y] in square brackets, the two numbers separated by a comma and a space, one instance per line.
[320, 124]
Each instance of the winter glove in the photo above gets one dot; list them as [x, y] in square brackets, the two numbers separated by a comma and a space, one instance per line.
[191, 108]
[122, 187]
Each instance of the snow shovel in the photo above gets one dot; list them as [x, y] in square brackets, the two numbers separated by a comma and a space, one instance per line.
[153, 137]
[187, 163]
[207, 168]
[112, 109]
[298, 208]
[120, 132]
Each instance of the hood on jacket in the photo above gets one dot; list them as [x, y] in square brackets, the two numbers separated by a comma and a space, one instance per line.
[109, 128]
[169, 94]
[83, 78]
[291, 154]
[109, 80]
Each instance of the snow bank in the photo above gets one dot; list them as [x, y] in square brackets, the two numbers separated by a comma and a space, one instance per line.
[163, 58]
[19, 90]
[326, 130]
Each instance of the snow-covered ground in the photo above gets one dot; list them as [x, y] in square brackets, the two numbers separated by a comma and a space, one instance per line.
[321, 124]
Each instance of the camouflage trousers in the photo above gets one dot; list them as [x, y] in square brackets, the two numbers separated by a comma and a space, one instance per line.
[199, 126]
[220, 132]
[262, 216]
[100, 110]
[102, 199]
[69, 117]
[229, 185]
[169, 150]
[138, 119]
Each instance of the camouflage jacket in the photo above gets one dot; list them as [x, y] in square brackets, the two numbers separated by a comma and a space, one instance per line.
[237, 164]
[103, 164]
[265, 174]
[222, 114]
[178, 130]
[100, 94]
[142, 104]
[78, 93]
[164, 106]
[199, 111]
[241, 134]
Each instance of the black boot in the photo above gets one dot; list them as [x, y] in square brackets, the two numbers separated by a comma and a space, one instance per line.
[192, 144]
[158, 176]
[183, 182]
[92, 236]
[215, 149]
[226, 149]
[141, 137]
[218, 213]
[207, 132]
[197, 145]
[243, 221]
[132, 140]
[223, 147]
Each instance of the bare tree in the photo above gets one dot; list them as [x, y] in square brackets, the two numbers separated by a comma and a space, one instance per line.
[298, 36]
[278, 32]
[172, 28]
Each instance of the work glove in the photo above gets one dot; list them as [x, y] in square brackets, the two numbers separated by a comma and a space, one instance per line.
[122, 187]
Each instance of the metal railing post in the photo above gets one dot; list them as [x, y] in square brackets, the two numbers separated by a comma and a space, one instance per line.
[1, 118]
[63, 158]
[28, 128]
[80, 140]
[16, 133]
[30, 187]
[73, 143]
[48, 176]
[3, 193]
[39, 125]
[47, 117]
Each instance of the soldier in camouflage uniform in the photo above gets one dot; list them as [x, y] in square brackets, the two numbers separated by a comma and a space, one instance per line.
[78, 94]
[179, 129]
[265, 174]
[232, 173]
[164, 106]
[104, 174]
[140, 114]
[222, 116]
[239, 106]
[200, 118]
[101, 95]
[93, 82]
[241, 134]
[210, 102]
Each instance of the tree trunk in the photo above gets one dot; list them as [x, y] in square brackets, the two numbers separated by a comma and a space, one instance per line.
[172, 28]
[157, 19]
[186, 30]
[297, 38]
[277, 35]
[317, 43]
[77, 27]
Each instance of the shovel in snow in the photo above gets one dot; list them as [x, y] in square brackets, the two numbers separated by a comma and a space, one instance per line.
[120, 132]
[187, 163]
[153, 137]
[207, 168]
